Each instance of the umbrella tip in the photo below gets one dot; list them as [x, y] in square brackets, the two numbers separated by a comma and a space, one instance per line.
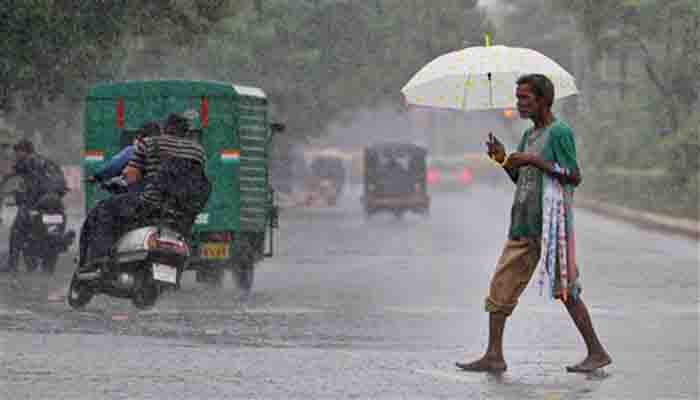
[487, 39]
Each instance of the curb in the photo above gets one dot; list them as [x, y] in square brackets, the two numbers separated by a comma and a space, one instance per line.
[685, 227]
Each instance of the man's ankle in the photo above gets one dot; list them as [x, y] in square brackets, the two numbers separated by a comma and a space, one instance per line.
[493, 356]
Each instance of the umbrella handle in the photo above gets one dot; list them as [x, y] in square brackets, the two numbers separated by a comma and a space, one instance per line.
[490, 90]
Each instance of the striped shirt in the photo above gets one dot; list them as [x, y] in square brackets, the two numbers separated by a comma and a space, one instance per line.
[147, 159]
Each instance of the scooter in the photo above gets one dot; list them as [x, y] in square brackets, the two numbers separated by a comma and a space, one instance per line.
[46, 234]
[144, 262]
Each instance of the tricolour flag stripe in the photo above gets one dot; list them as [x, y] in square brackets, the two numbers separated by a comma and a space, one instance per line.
[230, 155]
[94, 155]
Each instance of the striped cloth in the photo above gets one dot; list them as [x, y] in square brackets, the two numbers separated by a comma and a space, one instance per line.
[147, 158]
[558, 258]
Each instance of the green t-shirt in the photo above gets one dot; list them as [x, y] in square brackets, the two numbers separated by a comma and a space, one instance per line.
[554, 143]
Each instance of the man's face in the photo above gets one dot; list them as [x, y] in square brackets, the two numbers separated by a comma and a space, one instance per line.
[528, 104]
[21, 155]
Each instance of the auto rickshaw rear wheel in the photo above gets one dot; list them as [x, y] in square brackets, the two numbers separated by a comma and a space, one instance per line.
[244, 272]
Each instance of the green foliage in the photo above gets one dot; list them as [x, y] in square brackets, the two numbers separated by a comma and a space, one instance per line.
[651, 190]
[664, 34]
[47, 45]
[683, 150]
[646, 124]
[319, 60]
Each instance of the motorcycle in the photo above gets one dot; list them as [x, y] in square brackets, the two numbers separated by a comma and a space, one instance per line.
[144, 262]
[46, 234]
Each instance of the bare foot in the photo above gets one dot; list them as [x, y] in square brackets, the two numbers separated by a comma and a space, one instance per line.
[591, 363]
[485, 364]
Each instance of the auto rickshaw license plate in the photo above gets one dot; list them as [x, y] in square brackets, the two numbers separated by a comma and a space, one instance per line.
[216, 251]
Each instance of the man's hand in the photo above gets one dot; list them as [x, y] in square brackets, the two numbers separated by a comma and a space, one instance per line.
[91, 179]
[495, 149]
[132, 174]
[519, 159]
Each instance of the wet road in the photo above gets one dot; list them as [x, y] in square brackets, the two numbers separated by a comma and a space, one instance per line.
[369, 309]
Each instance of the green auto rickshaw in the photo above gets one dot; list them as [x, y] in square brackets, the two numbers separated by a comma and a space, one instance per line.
[235, 230]
[395, 179]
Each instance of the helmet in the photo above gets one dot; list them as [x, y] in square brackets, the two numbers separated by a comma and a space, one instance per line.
[180, 124]
[148, 129]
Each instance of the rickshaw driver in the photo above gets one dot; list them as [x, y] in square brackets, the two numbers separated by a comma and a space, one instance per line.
[156, 163]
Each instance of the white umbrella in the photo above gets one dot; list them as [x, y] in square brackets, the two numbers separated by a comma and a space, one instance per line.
[480, 78]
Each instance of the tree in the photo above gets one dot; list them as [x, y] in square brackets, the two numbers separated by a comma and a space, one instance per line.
[666, 34]
[319, 60]
[53, 49]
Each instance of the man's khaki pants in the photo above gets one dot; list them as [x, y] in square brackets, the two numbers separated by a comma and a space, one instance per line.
[515, 268]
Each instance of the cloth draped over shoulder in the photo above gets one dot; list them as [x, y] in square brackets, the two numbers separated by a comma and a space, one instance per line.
[558, 257]
[549, 217]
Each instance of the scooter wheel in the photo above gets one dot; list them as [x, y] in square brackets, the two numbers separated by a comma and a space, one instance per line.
[146, 296]
[49, 264]
[79, 294]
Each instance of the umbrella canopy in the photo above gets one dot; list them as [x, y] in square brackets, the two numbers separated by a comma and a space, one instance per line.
[481, 78]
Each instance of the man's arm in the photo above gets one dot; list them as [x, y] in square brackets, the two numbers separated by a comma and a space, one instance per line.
[569, 176]
[134, 170]
[564, 149]
[565, 168]
[497, 152]
[116, 165]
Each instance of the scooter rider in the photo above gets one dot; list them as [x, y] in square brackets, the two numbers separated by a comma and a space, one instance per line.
[152, 163]
[117, 165]
[43, 182]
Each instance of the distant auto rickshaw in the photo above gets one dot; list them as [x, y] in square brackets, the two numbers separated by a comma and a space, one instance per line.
[395, 179]
[327, 178]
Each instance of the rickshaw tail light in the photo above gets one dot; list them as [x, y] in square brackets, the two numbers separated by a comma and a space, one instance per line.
[465, 177]
[120, 113]
[433, 176]
[204, 112]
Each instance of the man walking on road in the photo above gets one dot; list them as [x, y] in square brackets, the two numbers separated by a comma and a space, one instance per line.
[546, 150]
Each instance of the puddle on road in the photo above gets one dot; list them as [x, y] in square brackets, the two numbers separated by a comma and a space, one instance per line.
[424, 310]
[551, 384]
